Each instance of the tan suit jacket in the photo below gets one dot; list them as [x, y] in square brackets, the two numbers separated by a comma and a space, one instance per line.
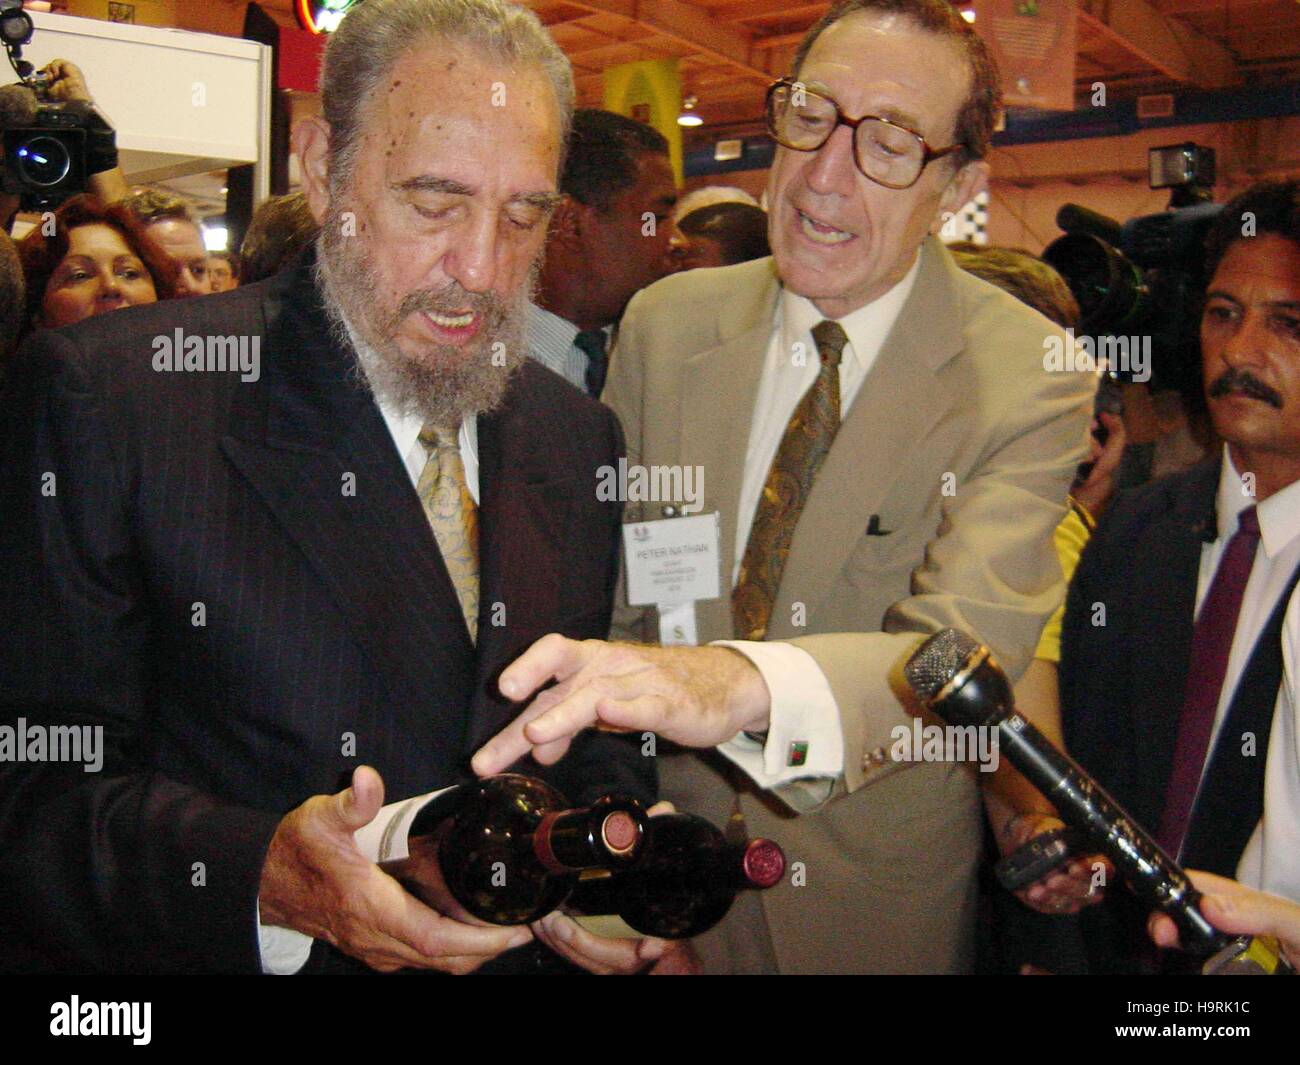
[958, 449]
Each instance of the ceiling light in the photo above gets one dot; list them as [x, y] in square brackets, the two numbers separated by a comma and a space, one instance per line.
[689, 117]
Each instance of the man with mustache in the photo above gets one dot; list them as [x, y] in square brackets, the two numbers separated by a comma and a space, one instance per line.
[260, 586]
[1178, 682]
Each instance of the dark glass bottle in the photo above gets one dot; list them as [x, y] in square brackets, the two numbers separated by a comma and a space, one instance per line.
[509, 848]
[683, 883]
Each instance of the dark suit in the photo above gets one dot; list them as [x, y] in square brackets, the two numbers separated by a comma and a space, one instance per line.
[1122, 682]
[238, 582]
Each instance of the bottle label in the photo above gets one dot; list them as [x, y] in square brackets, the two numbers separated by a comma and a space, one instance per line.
[609, 925]
[385, 839]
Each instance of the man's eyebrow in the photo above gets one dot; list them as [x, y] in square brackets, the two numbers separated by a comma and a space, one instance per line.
[543, 201]
[1220, 294]
[895, 115]
[900, 117]
[431, 183]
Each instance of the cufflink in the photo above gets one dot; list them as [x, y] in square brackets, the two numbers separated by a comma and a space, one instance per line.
[798, 753]
[873, 759]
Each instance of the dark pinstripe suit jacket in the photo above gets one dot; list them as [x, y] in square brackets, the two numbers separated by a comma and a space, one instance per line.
[237, 582]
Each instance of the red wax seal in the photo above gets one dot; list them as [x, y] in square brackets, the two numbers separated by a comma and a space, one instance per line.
[619, 830]
[763, 863]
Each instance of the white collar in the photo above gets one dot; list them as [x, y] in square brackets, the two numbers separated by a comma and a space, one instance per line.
[405, 426]
[1279, 514]
[865, 327]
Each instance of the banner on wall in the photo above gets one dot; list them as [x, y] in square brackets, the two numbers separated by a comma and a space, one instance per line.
[1034, 44]
[649, 90]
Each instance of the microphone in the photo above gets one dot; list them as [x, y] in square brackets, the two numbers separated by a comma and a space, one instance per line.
[957, 678]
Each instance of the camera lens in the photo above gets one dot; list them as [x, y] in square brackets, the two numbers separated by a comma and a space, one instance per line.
[43, 161]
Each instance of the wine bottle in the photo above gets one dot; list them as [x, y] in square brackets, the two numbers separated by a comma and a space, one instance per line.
[683, 883]
[509, 848]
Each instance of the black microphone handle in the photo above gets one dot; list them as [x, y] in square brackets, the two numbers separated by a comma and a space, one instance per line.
[1084, 805]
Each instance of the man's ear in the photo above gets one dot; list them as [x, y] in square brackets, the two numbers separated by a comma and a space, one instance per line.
[964, 186]
[310, 143]
[568, 224]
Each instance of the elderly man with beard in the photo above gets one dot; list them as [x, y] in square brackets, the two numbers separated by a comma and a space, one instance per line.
[258, 582]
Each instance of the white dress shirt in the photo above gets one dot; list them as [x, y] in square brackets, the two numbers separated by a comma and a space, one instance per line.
[1271, 860]
[284, 950]
[803, 705]
[550, 342]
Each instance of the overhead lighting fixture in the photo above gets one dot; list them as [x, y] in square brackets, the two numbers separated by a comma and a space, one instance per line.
[968, 14]
[689, 117]
[215, 238]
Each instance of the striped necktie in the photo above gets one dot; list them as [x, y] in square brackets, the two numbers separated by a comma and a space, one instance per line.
[453, 516]
[807, 439]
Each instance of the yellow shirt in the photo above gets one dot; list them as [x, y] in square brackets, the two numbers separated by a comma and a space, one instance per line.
[1071, 536]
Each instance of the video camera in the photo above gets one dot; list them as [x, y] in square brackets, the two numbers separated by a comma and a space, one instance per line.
[51, 146]
[1145, 278]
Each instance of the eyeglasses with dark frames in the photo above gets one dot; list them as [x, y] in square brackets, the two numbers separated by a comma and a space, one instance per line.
[803, 120]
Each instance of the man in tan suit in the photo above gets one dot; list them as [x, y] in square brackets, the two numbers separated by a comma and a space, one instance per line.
[887, 455]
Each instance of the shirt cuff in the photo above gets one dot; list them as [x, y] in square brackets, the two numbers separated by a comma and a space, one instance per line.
[285, 950]
[805, 738]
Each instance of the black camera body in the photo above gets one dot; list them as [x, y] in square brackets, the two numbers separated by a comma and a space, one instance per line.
[1143, 280]
[51, 147]
[49, 159]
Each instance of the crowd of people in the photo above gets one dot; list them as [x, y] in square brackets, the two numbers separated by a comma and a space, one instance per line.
[380, 563]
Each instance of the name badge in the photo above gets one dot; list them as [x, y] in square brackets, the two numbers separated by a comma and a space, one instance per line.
[672, 561]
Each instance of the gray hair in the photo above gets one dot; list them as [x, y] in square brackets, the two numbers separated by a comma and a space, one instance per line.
[376, 34]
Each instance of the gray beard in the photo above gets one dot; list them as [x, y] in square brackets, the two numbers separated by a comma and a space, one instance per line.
[446, 383]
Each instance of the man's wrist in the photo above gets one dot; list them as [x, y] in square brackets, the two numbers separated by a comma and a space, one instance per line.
[749, 702]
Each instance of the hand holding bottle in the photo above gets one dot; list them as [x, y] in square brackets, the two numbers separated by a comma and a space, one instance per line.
[606, 956]
[317, 881]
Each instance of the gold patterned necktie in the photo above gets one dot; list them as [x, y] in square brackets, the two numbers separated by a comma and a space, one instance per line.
[807, 439]
[452, 515]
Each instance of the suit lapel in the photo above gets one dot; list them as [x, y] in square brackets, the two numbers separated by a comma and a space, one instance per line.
[1164, 570]
[902, 392]
[315, 447]
[719, 389]
[523, 518]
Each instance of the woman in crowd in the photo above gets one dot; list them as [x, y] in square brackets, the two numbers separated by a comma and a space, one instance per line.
[96, 259]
